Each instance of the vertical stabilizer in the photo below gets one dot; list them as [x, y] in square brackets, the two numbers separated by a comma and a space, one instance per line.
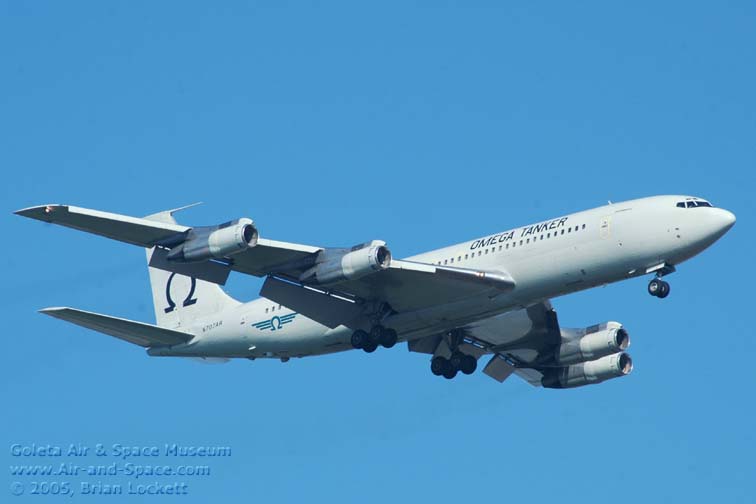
[180, 300]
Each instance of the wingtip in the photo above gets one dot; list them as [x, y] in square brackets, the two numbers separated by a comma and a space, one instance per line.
[39, 212]
[52, 309]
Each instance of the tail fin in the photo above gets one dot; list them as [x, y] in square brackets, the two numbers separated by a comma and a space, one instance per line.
[180, 300]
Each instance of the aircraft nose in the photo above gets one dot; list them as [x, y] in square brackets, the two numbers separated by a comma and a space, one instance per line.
[725, 219]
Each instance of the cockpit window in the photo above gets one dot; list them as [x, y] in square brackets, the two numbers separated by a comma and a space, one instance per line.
[693, 203]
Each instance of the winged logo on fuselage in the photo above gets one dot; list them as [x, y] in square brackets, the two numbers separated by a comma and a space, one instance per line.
[275, 323]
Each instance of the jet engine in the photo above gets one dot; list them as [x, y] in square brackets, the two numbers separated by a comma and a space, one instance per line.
[587, 373]
[580, 345]
[336, 265]
[215, 242]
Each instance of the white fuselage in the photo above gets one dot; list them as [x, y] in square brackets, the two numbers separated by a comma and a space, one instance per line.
[548, 259]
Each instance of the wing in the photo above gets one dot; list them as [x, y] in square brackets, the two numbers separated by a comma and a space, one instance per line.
[138, 333]
[525, 340]
[405, 285]
[134, 230]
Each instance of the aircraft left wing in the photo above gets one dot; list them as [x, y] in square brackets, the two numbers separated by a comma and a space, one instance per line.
[133, 230]
[363, 273]
[138, 333]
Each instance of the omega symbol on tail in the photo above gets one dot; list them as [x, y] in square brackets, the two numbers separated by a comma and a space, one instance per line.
[188, 300]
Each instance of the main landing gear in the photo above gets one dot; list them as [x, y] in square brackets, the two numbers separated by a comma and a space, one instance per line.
[448, 368]
[658, 288]
[378, 335]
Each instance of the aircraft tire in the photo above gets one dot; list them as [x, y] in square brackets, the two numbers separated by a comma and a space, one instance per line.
[438, 365]
[664, 291]
[359, 338]
[468, 364]
[388, 338]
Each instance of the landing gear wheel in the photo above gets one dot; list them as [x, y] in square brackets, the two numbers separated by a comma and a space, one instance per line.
[370, 347]
[654, 287]
[359, 338]
[664, 292]
[468, 364]
[456, 360]
[388, 338]
[450, 372]
[439, 365]
[658, 288]
[375, 335]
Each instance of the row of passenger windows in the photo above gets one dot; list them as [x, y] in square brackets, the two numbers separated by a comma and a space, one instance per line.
[513, 243]
[273, 309]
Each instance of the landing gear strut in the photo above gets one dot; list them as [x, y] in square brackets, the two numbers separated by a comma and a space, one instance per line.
[378, 335]
[658, 288]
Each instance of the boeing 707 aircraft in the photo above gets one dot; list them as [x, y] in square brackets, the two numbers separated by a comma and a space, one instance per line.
[486, 298]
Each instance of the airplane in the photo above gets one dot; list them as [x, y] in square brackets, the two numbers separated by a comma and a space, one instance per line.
[489, 297]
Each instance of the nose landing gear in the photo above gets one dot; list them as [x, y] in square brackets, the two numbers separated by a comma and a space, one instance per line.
[658, 288]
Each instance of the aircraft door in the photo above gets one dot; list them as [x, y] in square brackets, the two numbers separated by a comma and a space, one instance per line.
[605, 227]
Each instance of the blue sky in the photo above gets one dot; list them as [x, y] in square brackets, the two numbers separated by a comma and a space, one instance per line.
[422, 124]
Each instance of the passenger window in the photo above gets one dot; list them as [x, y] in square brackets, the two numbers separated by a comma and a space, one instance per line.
[459, 258]
[562, 231]
[569, 229]
[507, 247]
[486, 251]
[583, 226]
[266, 310]
[452, 260]
[465, 256]
[480, 253]
[445, 261]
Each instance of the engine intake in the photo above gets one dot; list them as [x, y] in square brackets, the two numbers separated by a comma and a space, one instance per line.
[215, 242]
[580, 345]
[336, 265]
[588, 373]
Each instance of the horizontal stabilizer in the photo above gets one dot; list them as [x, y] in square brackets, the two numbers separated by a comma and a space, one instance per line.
[139, 333]
[142, 232]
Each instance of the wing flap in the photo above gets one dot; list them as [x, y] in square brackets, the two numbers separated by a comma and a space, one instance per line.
[138, 333]
[409, 286]
[134, 230]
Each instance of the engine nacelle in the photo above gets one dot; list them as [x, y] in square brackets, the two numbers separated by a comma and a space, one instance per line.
[588, 373]
[580, 345]
[215, 242]
[336, 265]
